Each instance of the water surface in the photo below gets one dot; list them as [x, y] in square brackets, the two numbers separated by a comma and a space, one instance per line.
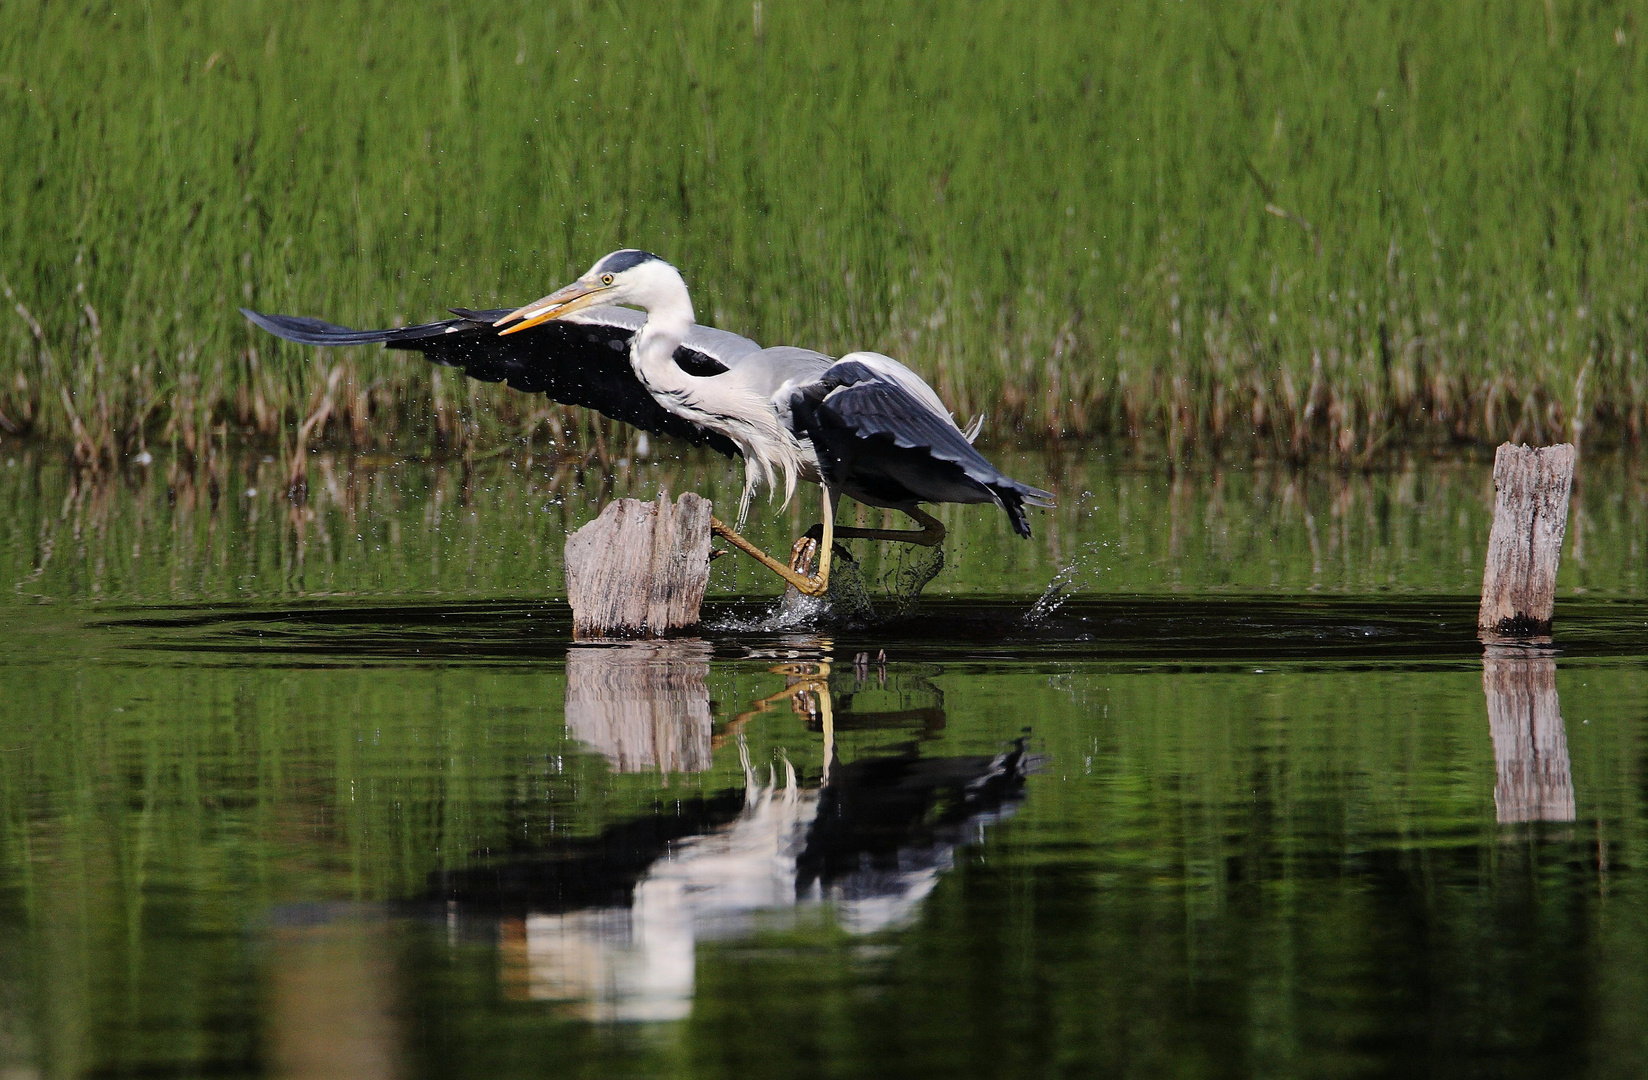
[1211, 779]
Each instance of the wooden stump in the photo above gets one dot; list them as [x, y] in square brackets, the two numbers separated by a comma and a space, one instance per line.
[1525, 547]
[640, 569]
[1535, 781]
[645, 707]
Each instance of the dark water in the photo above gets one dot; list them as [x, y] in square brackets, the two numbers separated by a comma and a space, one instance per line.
[1213, 779]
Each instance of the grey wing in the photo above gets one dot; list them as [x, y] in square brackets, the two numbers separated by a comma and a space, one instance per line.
[769, 371]
[581, 360]
[878, 439]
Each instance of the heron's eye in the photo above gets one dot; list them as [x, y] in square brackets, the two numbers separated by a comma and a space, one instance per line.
[606, 279]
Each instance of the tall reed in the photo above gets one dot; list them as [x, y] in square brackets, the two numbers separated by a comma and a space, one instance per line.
[1300, 228]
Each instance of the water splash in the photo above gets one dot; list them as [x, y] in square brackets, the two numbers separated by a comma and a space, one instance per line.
[852, 599]
[1080, 574]
[795, 611]
[915, 568]
[849, 595]
[1065, 584]
[792, 612]
[847, 601]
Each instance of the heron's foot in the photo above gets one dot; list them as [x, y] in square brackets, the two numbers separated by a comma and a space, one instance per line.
[813, 536]
[806, 584]
[804, 561]
[803, 554]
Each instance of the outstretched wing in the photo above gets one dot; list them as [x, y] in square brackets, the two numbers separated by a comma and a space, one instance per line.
[581, 360]
[882, 433]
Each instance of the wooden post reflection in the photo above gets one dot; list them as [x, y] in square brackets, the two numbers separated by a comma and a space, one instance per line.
[645, 707]
[1535, 782]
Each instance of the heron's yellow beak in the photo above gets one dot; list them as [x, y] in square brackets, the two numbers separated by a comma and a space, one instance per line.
[561, 302]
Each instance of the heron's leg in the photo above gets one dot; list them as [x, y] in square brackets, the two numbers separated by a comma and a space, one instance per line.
[931, 535]
[819, 583]
[826, 543]
[806, 585]
[806, 545]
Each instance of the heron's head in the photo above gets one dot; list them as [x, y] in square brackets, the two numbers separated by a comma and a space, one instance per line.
[628, 277]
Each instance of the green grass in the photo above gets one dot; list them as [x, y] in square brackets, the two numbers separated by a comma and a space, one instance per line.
[1300, 228]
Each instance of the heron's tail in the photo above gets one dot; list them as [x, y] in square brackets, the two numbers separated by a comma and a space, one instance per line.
[1014, 497]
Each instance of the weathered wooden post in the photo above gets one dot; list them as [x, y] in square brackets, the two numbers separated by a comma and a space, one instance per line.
[1525, 547]
[640, 568]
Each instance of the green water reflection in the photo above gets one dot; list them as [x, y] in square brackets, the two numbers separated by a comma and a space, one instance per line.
[280, 800]
[386, 527]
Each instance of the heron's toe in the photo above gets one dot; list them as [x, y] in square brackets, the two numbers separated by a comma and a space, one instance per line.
[802, 554]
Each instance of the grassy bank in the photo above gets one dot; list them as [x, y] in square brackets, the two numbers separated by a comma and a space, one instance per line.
[1321, 228]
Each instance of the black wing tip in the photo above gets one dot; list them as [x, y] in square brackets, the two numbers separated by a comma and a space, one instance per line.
[258, 318]
[1013, 501]
[298, 328]
[310, 331]
[480, 315]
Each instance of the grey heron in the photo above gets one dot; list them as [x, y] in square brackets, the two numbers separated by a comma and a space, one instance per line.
[863, 425]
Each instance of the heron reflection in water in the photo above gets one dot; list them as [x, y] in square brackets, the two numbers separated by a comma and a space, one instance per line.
[863, 425]
[609, 924]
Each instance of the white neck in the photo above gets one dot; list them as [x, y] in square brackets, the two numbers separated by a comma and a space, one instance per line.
[653, 354]
[669, 317]
[740, 413]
